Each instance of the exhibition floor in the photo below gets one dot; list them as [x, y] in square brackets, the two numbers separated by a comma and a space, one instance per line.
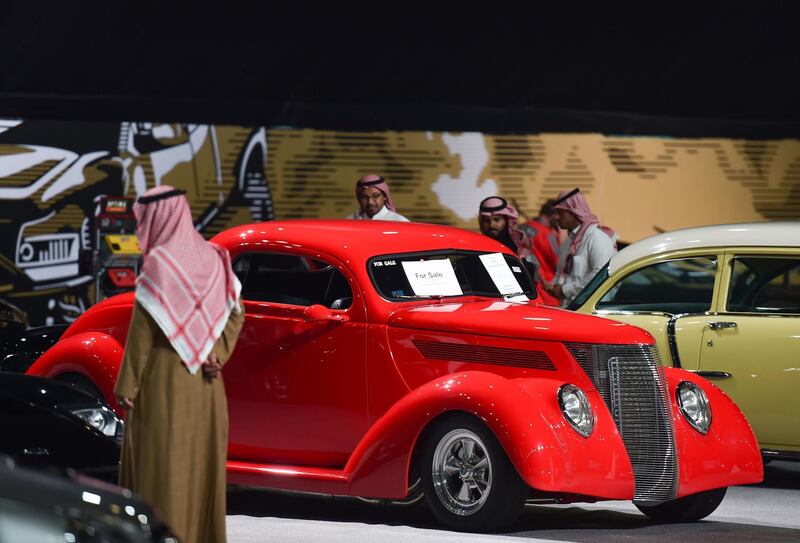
[764, 512]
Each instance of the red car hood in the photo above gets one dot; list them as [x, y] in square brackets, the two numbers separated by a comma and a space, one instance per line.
[523, 321]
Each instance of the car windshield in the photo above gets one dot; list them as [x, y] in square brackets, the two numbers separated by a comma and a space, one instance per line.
[409, 276]
[589, 289]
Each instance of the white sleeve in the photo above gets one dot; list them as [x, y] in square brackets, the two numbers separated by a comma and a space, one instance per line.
[599, 250]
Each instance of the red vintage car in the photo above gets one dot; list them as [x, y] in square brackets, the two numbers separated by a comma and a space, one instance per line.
[385, 360]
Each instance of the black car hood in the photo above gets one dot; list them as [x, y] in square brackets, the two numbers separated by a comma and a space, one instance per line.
[18, 350]
[96, 510]
[44, 392]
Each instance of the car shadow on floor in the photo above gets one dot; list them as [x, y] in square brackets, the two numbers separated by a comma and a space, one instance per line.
[270, 503]
[536, 522]
[781, 474]
[602, 526]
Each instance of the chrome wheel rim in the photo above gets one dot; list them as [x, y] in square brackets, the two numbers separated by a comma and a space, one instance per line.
[462, 472]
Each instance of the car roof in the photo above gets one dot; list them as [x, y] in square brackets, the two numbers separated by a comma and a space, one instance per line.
[358, 239]
[754, 234]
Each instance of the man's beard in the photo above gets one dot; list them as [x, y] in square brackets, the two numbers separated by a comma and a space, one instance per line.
[504, 238]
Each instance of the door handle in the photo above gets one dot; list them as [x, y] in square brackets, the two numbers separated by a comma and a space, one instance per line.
[722, 324]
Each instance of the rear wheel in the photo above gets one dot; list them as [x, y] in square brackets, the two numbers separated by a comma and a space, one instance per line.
[469, 482]
[687, 509]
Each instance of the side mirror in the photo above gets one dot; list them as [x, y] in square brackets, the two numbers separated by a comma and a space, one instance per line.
[317, 316]
[319, 313]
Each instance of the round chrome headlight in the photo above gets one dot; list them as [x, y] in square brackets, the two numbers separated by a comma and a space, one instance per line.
[695, 406]
[576, 409]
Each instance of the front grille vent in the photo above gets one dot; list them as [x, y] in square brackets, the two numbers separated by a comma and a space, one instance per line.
[631, 381]
[461, 352]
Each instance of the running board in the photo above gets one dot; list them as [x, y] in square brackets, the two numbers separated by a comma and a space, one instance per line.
[295, 478]
[771, 454]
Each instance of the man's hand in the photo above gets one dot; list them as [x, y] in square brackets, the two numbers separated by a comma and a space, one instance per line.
[556, 292]
[126, 403]
[553, 290]
[211, 367]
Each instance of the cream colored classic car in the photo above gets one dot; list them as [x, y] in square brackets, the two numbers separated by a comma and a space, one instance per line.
[723, 301]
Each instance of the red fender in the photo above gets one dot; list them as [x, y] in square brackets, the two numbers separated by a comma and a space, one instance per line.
[524, 415]
[95, 355]
[727, 455]
[110, 316]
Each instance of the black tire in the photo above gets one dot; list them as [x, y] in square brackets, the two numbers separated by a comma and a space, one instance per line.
[501, 500]
[687, 509]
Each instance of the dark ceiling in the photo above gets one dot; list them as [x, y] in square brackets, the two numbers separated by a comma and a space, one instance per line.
[719, 70]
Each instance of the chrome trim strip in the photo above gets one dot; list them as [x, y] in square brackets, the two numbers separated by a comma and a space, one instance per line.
[773, 454]
[712, 374]
[673, 340]
[754, 314]
[618, 312]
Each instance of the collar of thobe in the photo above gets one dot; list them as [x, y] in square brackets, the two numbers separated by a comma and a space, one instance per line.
[382, 213]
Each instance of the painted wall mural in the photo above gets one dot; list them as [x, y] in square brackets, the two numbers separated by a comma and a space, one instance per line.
[639, 186]
[52, 174]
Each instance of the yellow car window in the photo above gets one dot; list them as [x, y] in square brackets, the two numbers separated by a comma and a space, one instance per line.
[675, 286]
[765, 285]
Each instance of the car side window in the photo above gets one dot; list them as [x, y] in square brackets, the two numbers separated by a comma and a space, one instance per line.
[764, 285]
[677, 286]
[292, 279]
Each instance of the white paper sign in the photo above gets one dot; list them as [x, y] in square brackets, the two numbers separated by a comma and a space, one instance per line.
[432, 278]
[497, 306]
[501, 274]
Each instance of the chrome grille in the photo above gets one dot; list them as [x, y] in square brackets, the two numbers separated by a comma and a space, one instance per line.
[630, 379]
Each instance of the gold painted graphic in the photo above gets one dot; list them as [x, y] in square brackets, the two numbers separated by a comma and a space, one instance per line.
[49, 196]
[638, 186]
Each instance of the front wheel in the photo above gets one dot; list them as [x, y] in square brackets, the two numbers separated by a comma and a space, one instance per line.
[687, 509]
[469, 482]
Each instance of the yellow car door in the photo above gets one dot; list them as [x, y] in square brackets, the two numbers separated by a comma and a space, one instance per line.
[668, 296]
[751, 346]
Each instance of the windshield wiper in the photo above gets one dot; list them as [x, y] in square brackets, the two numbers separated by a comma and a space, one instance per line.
[510, 297]
[422, 296]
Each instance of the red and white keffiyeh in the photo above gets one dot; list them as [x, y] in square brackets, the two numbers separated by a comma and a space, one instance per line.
[186, 283]
[373, 180]
[494, 205]
[575, 202]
